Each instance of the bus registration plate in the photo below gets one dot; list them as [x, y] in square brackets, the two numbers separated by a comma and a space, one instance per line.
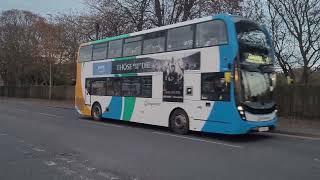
[263, 129]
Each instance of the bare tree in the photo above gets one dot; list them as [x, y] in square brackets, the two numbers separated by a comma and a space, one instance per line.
[283, 45]
[169, 12]
[19, 39]
[29, 44]
[118, 16]
[302, 20]
[222, 6]
[254, 10]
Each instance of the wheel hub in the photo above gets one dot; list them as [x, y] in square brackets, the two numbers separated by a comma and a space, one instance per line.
[180, 121]
[96, 112]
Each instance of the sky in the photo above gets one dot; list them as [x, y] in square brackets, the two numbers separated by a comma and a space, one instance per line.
[43, 7]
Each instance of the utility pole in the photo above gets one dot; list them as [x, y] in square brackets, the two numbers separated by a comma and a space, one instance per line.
[50, 79]
[50, 63]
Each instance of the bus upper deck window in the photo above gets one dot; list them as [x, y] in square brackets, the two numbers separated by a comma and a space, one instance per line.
[154, 42]
[115, 48]
[132, 46]
[99, 51]
[180, 38]
[211, 33]
[85, 53]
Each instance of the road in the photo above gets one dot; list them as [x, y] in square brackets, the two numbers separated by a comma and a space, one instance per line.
[38, 142]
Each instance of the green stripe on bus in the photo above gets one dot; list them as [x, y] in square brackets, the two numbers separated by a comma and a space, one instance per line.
[110, 39]
[126, 75]
[129, 103]
[125, 58]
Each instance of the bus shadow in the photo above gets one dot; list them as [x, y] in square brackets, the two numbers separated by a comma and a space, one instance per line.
[244, 138]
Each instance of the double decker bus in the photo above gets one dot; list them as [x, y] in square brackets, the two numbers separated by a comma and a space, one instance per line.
[213, 74]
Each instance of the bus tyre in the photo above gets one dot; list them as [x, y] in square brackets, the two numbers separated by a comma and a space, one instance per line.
[179, 122]
[96, 112]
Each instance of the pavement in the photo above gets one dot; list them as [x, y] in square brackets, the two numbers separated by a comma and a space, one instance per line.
[48, 142]
[298, 126]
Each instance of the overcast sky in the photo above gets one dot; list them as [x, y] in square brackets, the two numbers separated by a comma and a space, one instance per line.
[43, 7]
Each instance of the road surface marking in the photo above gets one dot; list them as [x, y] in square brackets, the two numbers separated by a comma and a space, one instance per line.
[38, 149]
[90, 169]
[22, 110]
[293, 136]
[50, 115]
[316, 159]
[101, 123]
[50, 163]
[198, 139]
[45, 114]
[3, 134]
[107, 175]
[63, 159]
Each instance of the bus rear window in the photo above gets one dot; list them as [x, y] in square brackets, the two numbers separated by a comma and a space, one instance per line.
[85, 53]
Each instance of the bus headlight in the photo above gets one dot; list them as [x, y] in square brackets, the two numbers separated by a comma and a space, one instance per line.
[241, 112]
[240, 108]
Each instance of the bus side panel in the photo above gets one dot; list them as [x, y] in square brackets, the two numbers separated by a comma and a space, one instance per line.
[104, 102]
[153, 110]
[79, 91]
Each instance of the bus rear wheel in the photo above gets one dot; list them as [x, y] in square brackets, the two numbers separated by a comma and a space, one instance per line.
[96, 112]
[179, 121]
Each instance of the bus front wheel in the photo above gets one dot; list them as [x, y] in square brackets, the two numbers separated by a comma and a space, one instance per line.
[96, 112]
[179, 121]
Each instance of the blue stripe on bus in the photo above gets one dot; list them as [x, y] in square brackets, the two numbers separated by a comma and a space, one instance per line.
[223, 114]
[228, 52]
[115, 108]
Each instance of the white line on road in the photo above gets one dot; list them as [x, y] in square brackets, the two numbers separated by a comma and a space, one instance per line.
[50, 163]
[3, 134]
[293, 136]
[198, 139]
[45, 114]
[38, 149]
[101, 123]
[22, 110]
[107, 175]
[50, 115]
[90, 168]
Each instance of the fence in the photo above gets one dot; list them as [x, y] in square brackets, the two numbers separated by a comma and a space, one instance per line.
[41, 92]
[298, 101]
[292, 101]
